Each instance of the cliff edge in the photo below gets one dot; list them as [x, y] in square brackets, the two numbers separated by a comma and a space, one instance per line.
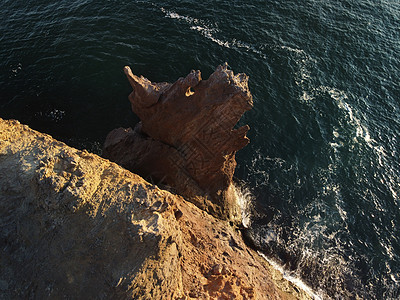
[74, 225]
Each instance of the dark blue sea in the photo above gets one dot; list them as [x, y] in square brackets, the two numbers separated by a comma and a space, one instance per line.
[322, 171]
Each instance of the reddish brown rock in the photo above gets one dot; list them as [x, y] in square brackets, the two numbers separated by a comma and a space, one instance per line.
[186, 137]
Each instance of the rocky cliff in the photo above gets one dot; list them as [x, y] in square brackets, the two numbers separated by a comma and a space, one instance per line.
[77, 226]
[186, 137]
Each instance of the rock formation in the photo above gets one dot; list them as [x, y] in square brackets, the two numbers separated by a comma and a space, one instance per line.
[186, 137]
[77, 226]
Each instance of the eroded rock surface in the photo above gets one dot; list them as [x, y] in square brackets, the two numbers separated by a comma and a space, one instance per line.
[76, 226]
[186, 137]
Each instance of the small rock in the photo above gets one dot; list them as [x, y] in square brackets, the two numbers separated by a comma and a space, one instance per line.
[217, 269]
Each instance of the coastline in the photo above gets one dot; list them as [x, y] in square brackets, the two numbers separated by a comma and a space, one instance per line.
[292, 279]
[280, 276]
[93, 222]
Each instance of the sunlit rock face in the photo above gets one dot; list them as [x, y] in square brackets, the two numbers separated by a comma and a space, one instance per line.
[77, 226]
[186, 138]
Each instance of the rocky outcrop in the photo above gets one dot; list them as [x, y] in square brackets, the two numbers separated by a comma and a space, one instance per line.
[76, 226]
[186, 137]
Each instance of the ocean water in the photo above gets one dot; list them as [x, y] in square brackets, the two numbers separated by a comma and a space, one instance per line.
[322, 171]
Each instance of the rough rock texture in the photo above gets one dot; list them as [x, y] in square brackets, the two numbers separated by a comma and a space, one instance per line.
[76, 226]
[186, 137]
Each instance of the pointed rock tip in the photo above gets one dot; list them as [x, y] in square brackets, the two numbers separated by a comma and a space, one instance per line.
[133, 79]
[128, 71]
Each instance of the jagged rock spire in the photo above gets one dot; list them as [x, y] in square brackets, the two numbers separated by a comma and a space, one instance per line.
[186, 137]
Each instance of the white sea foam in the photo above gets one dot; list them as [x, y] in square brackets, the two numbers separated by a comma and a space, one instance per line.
[295, 50]
[292, 278]
[210, 33]
[303, 74]
[174, 15]
[342, 212]
[244, 200]
[361, 132]
[237, 44]
[340, 97]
